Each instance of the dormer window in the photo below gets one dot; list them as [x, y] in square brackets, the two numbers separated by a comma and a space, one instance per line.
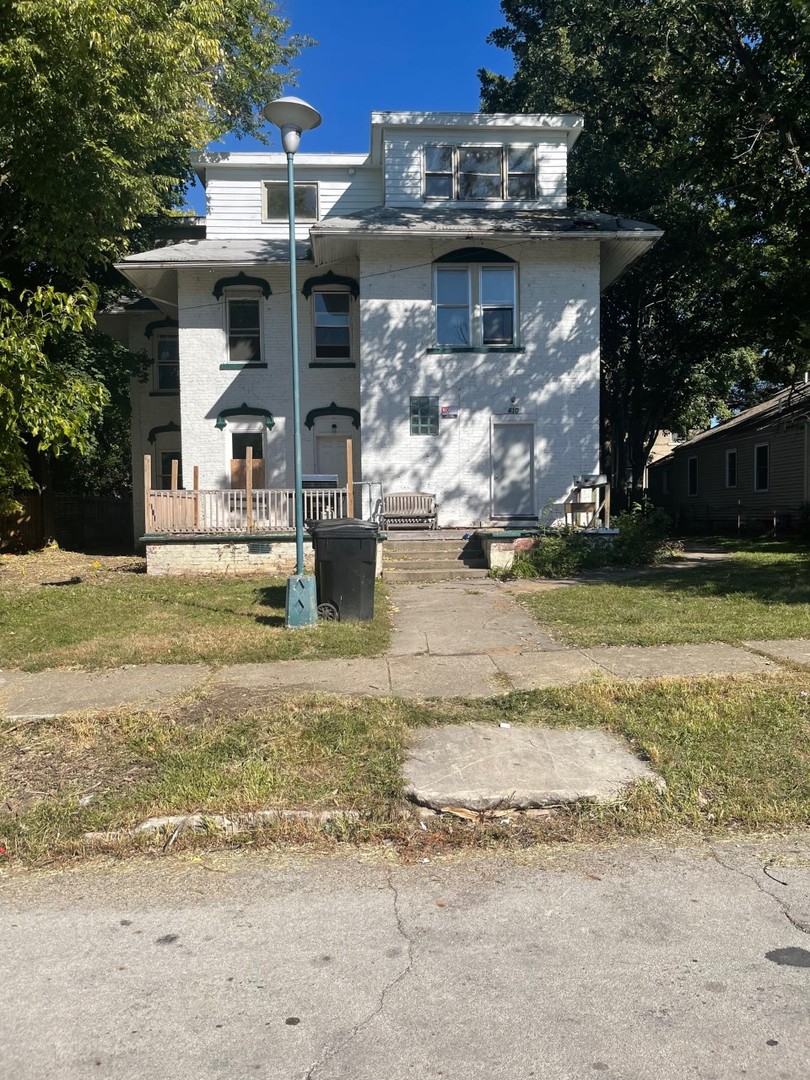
[480, 173]
[276, 201]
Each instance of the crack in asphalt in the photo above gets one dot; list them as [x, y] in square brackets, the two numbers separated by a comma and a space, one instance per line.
[798, 924]
[333, 1051]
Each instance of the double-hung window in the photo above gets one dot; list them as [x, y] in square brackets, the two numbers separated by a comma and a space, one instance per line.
[244, 330]
[475, 306]
[761, 467]
[332, 326]
[480, 173]
[167, 376]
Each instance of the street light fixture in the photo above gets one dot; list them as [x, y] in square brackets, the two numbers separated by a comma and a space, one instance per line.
[292, 116]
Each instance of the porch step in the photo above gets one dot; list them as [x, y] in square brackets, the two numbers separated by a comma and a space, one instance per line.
[417, 559]
[418, 577]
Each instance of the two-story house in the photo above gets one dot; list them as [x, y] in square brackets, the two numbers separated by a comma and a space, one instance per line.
[448, 320]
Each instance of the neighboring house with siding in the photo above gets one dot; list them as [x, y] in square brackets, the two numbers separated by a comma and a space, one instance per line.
[448, 320]
[751, 469]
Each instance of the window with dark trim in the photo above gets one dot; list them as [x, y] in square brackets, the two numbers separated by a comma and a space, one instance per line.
[692, 476]
[166, 459]
[424, 416]
[762, 467]
[276, 201]
[331, 314]
[244, 330]
[480, 173]
[167, 373]
[731, 468]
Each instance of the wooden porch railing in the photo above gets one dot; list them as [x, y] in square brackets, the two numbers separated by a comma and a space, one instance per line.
[239, 511]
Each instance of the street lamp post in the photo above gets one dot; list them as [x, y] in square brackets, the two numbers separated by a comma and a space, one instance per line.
[292, 116]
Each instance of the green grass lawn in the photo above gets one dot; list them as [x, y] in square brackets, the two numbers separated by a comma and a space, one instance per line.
[761, 591]
[735, 753]
[128, 618]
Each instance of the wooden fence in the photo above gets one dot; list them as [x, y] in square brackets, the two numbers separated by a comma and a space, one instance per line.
[95, 523]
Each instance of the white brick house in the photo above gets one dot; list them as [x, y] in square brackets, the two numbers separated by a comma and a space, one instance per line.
[448, 319]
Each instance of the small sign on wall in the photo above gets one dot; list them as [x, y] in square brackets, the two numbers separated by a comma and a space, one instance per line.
[449, 412]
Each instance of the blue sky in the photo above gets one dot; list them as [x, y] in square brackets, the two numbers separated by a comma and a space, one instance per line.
[375, 54]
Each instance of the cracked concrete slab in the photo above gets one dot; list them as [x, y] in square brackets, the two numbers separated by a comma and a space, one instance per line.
[677, 661]
[795, 651]
[52, 693]
[534, 670]
[462, 618]
[444, 676]
[484, 767]
[367, 677]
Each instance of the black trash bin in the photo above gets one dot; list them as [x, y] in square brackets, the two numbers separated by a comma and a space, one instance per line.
[345, 567]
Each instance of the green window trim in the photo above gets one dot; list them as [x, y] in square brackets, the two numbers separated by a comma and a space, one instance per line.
[244, 410]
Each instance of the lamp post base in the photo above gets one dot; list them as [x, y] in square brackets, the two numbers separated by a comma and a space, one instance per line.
[302, 602]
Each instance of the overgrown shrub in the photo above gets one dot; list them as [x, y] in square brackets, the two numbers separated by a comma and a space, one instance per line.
[565, 552]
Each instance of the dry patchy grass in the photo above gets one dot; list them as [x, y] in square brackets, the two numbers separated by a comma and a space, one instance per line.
[60, 610]
[735, 754]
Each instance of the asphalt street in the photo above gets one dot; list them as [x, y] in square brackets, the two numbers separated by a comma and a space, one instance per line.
[630, 962]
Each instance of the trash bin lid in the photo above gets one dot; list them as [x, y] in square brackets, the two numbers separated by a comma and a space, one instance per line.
[348, 528]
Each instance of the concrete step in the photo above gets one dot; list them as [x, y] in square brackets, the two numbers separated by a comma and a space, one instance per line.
[432, 546]
[418, 577]
[414, 563]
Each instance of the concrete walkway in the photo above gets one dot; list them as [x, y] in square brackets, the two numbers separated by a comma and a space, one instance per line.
[449, 640]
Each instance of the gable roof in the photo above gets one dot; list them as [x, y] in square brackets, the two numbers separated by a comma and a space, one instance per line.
[792, 403]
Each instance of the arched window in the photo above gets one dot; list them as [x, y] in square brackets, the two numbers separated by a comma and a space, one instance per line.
[475, 300]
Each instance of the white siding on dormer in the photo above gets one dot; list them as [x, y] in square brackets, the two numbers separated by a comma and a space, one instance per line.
[404, 161]
[234, 196]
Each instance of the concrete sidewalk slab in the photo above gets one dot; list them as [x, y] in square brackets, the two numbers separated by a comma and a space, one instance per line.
[443, 676]
[52, 693]
[457, 619]
[483, 767]
[534, 670]
[361, 677]
[795, 651]
[677, 661]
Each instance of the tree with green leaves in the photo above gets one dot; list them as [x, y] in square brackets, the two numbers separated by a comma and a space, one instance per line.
[103, 104]
[696, 119]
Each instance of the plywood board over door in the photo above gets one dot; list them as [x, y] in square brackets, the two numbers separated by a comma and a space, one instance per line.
[513, 470]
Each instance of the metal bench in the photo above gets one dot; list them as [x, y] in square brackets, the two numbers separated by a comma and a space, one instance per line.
[409, 510]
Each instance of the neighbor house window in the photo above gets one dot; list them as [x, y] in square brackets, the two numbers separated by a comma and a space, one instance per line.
[331, 315]
[665, 481]
[276, 201]
[731, 468]
[761, 467]
[167, 376]
[480, 173]
[244, 330]
[424, 416]
[692, 476]
[475, 306]
[166, 459]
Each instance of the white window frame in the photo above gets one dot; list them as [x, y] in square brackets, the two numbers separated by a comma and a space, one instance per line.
[164, 335]
[456, 149]
[267, 184]
[762, 446]
[231, 295]
[476, 307]
[333, 361]
[689, 493]
[245, 425]
[736, 468]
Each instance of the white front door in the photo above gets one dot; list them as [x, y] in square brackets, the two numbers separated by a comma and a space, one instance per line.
[330, 456]
[513, 470]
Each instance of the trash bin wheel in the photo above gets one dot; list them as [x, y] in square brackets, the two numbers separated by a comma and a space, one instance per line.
[328, 612]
